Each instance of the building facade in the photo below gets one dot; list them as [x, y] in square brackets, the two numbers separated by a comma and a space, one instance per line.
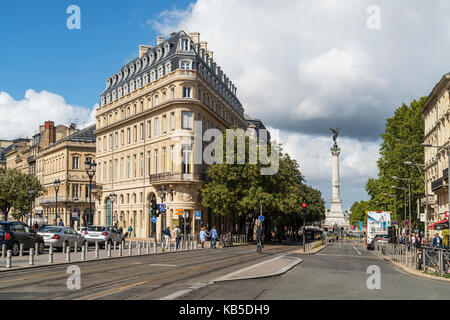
[436, 112]
[145, 137]
[57, 153]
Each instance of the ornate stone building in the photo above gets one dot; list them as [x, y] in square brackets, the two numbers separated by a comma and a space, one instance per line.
[436, 111]
[145, 137]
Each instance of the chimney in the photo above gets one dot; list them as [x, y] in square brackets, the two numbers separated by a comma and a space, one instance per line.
[143, 49]
[50, 127]
[159, 40]
[211, 54]
[195, 36]
[204, 45]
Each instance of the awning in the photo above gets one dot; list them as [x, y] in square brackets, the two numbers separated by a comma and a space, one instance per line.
[443, 223]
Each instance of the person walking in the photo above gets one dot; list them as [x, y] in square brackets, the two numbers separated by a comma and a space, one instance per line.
[167, 236]
[130, 230]
[214, 237]
[61, 223]
[437, 241]
[177, 236]
[120, 230]
[203, 235]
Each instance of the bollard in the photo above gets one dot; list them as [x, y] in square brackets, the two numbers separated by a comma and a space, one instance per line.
[139, 248]
[8, 258]
[36, 249]
[83, 253]
[109, 249]
[106, 246]
[136, 243]
[50, 254]
[130, 250]
[75, 247]
[147, 246]
[114, 245]
[64, 247]
[68, 253]
[87, 246]
[3, 250]
[192, 245]
[96, 250]
[21, 250]
[170, 246]
[120, 249]
[31, 256]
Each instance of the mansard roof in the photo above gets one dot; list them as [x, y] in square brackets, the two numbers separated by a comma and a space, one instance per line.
[144, 64]
[85, 135]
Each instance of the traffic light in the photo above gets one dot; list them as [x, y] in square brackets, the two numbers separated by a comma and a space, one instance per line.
[304, 206]
[155, 209]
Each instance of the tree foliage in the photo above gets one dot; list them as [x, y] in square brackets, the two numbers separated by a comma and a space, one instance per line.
[239, 190]
[402, 139]
[14, 197]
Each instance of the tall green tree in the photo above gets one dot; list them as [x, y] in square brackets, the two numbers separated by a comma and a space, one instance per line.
[402, 139]
[14, 197]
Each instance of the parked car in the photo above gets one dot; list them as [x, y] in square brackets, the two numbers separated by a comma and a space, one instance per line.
[15, 233]
[59, 235]
[103, 235]
[383, 238]
[82, 230]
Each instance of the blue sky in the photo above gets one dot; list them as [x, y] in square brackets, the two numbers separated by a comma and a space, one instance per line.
[39, 52]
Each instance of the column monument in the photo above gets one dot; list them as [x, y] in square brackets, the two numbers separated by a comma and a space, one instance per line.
[336, 216]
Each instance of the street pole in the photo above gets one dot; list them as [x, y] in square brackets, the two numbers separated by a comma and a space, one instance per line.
[409, 201]
[418, 220]
[426, 206]
[86, 222]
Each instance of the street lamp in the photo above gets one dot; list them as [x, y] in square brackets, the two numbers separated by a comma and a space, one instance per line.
[57, 184]
[404, 193]
[31, 193]
[409, 200]
[427, 145]
[90, 170]
[113, 198]
[424, 176]
[162, 194]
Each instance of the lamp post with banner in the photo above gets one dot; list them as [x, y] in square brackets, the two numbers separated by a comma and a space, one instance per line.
[91, 167]
[162, 191]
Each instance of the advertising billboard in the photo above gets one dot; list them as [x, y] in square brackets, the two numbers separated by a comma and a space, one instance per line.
[378, 223]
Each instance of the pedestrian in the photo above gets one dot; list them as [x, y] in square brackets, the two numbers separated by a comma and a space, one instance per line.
[413, 240]
[177, 236]
[120, 230]
[167, 236]
[437, 241]
[203, 235]
[214, 237]
[36, 227]
[61, 223]
[130, 230]
[55, 222]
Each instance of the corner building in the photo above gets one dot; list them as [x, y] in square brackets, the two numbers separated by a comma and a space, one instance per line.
[145, 137]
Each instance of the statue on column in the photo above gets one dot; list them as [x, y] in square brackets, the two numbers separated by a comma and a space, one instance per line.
[335, 135]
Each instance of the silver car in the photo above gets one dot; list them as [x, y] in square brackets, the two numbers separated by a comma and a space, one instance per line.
[103, 235]
[58, 235]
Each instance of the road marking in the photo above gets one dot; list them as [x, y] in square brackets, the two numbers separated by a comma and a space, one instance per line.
[113, 290]
[162, 265]
[180, 293]
[356, 250]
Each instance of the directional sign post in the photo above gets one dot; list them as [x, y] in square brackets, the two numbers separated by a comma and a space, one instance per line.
[198, 215]
[154, 219]
[261, 218]
[406, 223]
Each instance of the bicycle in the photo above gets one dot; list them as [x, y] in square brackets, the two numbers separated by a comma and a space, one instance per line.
[259, 247]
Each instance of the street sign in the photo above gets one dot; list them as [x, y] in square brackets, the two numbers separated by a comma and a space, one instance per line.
[154, 219]
[261, 218]
[162, 207]
[406, 223]
[75, 212]
[422, 217]
[395, 223]
[198, 215]
[179, 212]
[186, 215]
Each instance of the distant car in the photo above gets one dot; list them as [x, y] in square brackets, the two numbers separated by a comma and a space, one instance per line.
[58, 235]
[103, 235]
[15, 233]
[384, 238]
[82, 230]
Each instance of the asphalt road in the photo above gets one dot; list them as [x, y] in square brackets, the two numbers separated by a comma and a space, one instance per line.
[337, 272]
[142, 277]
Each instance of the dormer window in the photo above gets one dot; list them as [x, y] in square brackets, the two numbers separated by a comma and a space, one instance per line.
[185, 44]
[159, 53]
[185, 65]
[166, 49]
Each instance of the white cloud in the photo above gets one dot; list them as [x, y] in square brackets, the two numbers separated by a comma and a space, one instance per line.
[21, 118]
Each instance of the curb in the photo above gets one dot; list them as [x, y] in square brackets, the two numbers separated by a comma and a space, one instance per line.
[419, 274]
[313, 251]
[273, 274]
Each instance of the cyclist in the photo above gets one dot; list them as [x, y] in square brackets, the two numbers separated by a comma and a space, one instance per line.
[259, 237]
